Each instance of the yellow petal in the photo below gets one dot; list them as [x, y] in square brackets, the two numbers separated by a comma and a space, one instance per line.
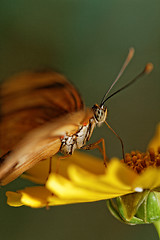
[60, 201]
[85, 186]
[87, 162]
[39, 173]
[14, 199]
[155, 141]
[65, 189]
[117, 180]
[35, 197]
[149, 179]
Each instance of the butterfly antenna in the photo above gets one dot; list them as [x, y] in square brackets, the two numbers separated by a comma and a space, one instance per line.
[128, 59]
[148, 68]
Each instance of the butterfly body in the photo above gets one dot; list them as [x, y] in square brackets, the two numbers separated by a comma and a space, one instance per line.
[41, 114]
[77, 140]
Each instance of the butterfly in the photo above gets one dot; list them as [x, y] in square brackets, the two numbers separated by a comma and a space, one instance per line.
[42, 113]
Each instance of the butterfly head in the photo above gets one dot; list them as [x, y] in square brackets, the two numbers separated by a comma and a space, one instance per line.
[100, 114]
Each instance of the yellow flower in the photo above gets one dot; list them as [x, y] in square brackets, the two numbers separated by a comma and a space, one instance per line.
[39, 196]
[83, 178]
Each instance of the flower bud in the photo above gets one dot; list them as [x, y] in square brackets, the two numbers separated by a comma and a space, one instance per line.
[137, 208]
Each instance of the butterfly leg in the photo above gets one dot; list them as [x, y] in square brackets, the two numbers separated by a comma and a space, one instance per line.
[50, 168]
[50, 165]
[56, 171]
[102, 150]
[49, 172]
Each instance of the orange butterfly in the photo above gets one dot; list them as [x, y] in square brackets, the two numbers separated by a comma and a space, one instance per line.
[41, 114]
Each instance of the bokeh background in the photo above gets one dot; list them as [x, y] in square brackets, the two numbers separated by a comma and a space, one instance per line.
[88, 42]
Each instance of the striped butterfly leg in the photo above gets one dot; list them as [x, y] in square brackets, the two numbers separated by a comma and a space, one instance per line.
[101, 149]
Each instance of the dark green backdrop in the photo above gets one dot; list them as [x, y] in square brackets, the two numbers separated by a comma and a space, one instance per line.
[87, 41]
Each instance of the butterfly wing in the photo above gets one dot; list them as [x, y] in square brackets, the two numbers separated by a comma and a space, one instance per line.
[37, 109]
[30, 100]
[39, 144]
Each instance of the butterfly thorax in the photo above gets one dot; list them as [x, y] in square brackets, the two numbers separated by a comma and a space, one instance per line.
[79, 139]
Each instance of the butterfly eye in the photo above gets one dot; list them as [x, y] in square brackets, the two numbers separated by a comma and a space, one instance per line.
[100, 113]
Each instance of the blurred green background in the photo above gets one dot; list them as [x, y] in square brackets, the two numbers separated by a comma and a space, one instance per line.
[88, 42]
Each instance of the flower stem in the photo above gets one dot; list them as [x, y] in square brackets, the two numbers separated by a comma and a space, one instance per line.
[157, 226]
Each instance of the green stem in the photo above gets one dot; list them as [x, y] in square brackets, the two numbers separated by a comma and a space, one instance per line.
[157, 226]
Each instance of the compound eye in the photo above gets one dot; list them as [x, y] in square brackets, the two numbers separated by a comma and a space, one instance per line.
[100, 115]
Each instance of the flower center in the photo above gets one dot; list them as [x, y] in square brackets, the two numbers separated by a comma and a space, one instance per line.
[139, 161]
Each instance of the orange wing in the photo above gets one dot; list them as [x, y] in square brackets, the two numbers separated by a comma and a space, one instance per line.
[37, 108]
[39, 144]
[31, 99]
